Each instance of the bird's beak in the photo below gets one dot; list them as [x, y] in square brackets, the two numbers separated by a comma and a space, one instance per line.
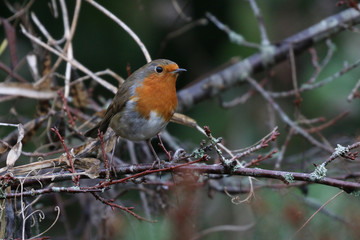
[179, 70]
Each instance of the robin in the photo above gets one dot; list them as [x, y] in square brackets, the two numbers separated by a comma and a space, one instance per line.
[144, 103]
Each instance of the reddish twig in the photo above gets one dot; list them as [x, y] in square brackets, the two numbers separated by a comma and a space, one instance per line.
[263, 144]
[12, 73]
[314, 59]
[345, 153]
[285, 118]
[215, 169]
[311, 121]
[64, 100]
[6, 180]
[354, 92]
[114, 205]
[214, 142]
[328, 124]
[351, 156]
[147, 172]
[163, 148]
[71, 163]
[350, 3]
[261, 158]
[325, 61]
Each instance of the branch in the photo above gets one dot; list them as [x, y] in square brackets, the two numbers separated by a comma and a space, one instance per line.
[33, 192]
[124, 26]
[238, 71]
[144, 169]
[285, 118]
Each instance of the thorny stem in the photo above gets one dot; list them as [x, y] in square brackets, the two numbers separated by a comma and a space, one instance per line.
[261, 158]
[329, 123]
[213, 142]
[66, 107]
[318, 67]
[354, 92]
[147, 172]
[336, 154]
[163, 147]
[114, 205]
[263, 144]
[72, 170]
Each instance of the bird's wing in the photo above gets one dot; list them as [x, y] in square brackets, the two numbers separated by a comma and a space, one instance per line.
[119, 101]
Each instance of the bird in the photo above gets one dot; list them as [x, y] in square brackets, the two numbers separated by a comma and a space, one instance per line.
[143, 104]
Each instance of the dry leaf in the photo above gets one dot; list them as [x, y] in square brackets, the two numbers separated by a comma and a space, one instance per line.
[109, 145]
[3, 148]
[47, 82]
[64, 159]
[78, 91]
[33, 65]
[15, 152]
[90, 165]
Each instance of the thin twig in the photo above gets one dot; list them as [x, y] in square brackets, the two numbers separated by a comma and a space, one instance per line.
[124, 26]
[312, 216]
[263, 34]
[319, 68]
[233, 36]
[66, 108]
[126, 209]
[307, 87]
[285, 118]
[69, 157]
[354, 92]
[69, 52]
[329, 123]
[73, 62]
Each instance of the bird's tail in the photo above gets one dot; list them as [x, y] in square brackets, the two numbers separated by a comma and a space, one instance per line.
[93, 132]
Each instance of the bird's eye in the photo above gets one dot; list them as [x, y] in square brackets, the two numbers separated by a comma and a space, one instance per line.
[159, 69]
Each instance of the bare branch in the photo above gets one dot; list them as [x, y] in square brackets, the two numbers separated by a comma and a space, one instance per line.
[124, 26]
[238, 71]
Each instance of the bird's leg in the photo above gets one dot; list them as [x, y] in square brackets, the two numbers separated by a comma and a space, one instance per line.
[112, 167]
[163, 147]
[112, 153]
[154, 153]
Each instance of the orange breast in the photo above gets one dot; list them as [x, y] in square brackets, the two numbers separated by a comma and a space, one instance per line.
[157, 93]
